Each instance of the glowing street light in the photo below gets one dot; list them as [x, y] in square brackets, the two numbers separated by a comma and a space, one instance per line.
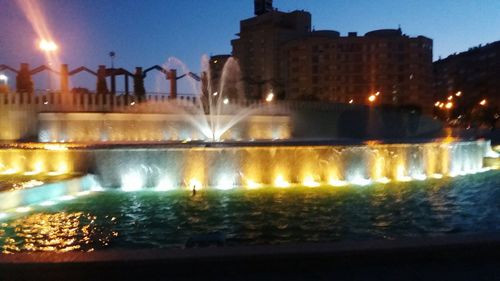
[226, 101]
[450, 97]
[458, 94]
[47, 46]
[377, 94]
[449, 105]
[372, 98]
[215, 94]
[270, 97]
[351, 101]
[437, 104]
[483, 102]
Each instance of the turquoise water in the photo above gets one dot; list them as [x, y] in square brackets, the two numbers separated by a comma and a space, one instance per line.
[148, 219]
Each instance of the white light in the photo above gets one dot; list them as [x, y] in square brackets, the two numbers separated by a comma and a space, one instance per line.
[4, 78]
[225, 183]
[215, 94]
[165, 184]
[361, 181]
[67, 198]
[23, 209]
[226, 101]
[132, 182]
[47, 203]
[420, 177]
[3, 216]
[132, 103]
[83, 193]
[9, 172]
[32, 173]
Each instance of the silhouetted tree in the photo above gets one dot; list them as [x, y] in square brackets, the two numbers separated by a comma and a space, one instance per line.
[24, 84]
[139, 89]
[102, 87]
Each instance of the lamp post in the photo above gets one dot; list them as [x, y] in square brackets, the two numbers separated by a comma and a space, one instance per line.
[48, 47]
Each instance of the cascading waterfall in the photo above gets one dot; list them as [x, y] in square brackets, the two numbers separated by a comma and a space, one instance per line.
[283, 166]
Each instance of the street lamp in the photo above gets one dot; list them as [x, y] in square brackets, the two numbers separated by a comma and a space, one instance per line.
[372, 98]
[48, 46]
[483, 102]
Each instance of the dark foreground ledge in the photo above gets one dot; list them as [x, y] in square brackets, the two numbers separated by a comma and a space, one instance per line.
[472, 257]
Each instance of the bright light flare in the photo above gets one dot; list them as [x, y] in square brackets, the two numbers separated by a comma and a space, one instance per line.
[226, 101]
[47, 45]
[449, 105]
[270, 97]
[195, 184]
[132, 182]
[253, 185]
[372, 98]
[483, 102]
[458, 94]
[310, 182]
[23, 209]
[281, 182]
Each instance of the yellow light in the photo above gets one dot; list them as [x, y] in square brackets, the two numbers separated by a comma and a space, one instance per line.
[351, 101]
[270, 97]
[56, 147]
[377, 94]
[384, 180]
[400, 174]
[437, 176]
[336, 182]
[483, 102]
[195, 184]
[437, 104]
[441, 105]
[449, 105]
[450, 97]
[253, 185]
[372, 98]
[47, 46]
[459, 93]
[281, 182]
[310, 182]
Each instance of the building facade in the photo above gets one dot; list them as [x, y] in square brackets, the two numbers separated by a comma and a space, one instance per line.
[279, 53]
[258, 48]
[326, 66]
[475, 73]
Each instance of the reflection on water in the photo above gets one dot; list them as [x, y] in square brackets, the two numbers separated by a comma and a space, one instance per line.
[57, 232]
[152, 219]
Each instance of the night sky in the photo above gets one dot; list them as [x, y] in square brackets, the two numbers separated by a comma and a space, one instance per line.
[148, 32]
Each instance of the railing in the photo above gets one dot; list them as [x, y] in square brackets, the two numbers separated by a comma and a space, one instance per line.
[151, 103]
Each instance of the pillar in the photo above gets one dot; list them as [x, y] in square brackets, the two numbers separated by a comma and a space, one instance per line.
[64, 78]
[172, 77]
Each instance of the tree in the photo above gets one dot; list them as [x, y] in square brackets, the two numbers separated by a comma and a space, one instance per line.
[24, 84]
